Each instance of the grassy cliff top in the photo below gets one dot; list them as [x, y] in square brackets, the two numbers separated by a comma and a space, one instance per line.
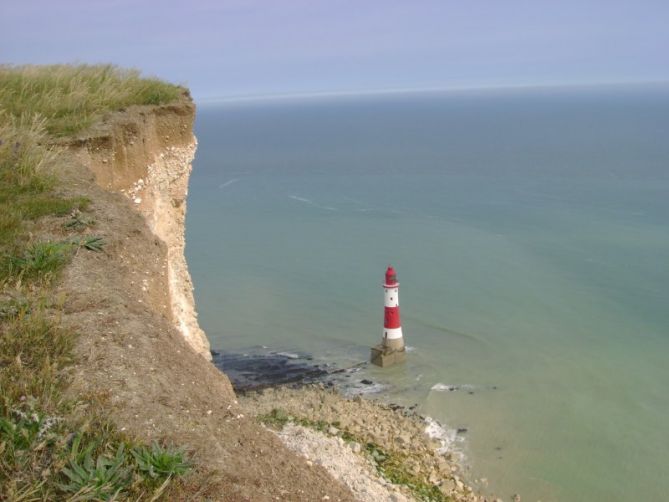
[70, 98]
[39, 103]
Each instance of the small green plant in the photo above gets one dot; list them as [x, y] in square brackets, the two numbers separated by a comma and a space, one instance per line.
[277, 418]
[46, 259]
[40, 259]
[24, 430]
[12, 307]
[160, 462]
[392, 466]
[77, 221]
[102, 478]
[90, 242]
[18, 433]
[43, 205]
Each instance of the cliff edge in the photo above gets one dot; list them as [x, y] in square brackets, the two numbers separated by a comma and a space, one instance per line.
[140, 352]
[146, 153]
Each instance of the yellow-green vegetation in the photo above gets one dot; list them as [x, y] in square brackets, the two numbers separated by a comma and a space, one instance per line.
[71, 98]
[391, 465]
[54, 447]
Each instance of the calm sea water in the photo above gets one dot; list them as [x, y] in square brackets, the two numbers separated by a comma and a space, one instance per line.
[530, 234]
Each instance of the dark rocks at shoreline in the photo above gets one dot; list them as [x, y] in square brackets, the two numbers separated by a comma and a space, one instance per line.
[260, 368]
[255, 370]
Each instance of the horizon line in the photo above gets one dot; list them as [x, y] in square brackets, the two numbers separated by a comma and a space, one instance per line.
[413, 90]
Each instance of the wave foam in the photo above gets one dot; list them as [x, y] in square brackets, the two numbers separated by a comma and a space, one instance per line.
[364, 389]
[312, 203]
[448, 438]
[443, 387]
[300, 199]
[228, 183]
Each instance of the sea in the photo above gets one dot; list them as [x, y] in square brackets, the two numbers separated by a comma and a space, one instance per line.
[530, 233]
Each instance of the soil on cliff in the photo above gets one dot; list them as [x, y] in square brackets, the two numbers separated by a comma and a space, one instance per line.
[138, 365]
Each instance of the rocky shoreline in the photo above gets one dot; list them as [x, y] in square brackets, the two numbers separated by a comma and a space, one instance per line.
[379, 451]
[393, 442]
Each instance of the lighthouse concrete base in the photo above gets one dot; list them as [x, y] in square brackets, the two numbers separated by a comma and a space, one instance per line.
[385, 356]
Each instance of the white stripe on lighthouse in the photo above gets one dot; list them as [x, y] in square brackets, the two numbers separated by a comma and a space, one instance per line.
[391, 297]
[392, 333]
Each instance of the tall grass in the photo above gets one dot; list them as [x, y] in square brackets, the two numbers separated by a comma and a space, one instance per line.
[71, 98]
[47, 451]
[27, 182]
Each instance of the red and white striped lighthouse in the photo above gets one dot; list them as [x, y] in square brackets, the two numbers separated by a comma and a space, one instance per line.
[391, 350]
[392, 326]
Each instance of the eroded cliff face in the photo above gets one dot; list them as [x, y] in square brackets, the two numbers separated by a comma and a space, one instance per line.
[146, 154]
[140, 351]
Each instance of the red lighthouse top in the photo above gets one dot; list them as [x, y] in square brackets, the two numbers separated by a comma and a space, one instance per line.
[391, 277]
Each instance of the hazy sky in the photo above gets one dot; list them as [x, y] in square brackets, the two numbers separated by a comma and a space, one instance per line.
[248, 47]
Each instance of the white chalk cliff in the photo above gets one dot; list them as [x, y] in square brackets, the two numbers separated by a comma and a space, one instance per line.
[146, 153]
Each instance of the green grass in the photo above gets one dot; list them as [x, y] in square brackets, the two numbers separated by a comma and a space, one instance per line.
[44, 204]
[71, 98]
[48, 449]
[40, 260]
[101, 477]
[24, 176]
[27, 193]
[160, 462]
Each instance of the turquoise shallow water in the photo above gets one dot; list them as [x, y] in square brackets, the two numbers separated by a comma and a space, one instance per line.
[529, 231]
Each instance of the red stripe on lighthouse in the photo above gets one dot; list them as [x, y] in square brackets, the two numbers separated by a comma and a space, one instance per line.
[391, 318]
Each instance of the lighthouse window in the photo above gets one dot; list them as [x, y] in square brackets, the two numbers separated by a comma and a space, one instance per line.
[391, 298]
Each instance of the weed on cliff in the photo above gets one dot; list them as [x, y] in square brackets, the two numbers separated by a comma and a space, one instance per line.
[44, 260]
[71, 98]
[102, 477]
[159, 461]
[41, 259]
[278, 418]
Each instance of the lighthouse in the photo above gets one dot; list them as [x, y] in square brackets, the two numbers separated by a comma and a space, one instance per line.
[391, 349]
